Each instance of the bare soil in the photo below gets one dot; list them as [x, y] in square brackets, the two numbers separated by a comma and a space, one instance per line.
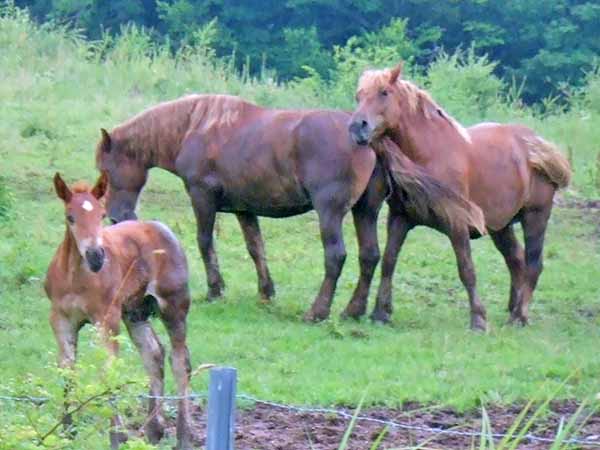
[267, 427]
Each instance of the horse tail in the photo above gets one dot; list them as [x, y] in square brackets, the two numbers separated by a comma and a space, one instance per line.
[426, 196]
[546, 159]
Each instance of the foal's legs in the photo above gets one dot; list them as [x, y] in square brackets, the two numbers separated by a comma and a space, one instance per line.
[256, 248]
[205, 211]
[506, 242]
[534, 223]
[174, 319]
[65, 333]
[462, 248]
[109, 328]
[330, 222]
[397, 229]
[153, 356]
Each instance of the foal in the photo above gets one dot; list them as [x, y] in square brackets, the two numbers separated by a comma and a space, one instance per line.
[102, 275]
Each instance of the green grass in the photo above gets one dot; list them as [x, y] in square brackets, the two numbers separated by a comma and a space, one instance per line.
[56, 94]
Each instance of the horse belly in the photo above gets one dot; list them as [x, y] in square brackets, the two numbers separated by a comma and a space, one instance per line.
[257, 174]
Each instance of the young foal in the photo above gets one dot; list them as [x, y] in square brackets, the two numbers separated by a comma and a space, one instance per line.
[102, 275]
[507, 171]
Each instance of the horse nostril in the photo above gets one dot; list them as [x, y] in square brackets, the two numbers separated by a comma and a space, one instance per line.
[113, 220]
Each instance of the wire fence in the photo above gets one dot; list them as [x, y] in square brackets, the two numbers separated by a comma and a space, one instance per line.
[592, 442]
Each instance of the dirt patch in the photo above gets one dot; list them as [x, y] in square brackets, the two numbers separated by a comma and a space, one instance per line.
[267, 427]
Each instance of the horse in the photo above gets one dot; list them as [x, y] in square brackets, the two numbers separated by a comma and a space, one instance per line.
[236, 157]
[506, 170]
[129, 271]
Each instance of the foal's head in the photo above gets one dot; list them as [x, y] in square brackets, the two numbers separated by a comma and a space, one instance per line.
[127, 176]
[84, 214]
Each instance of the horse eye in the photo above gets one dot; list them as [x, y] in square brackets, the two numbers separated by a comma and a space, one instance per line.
[70, 219]
[383, 93]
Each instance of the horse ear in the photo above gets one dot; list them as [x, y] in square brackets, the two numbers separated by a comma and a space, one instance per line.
[62, 190]
[396, 72]
[100, 188]
[106, 141]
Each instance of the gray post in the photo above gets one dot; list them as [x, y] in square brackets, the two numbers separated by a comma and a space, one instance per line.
[221, 409]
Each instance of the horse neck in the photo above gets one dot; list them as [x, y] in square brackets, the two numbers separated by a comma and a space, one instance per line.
[424, 139]
[155, 137]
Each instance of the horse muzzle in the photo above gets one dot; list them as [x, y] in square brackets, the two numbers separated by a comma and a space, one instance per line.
[360, 132]
[95, 258]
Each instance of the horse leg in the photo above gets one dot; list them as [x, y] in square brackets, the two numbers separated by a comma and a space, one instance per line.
[109, 328]
[506, 242]
[205, 211]
[65, 333]
[256, 249]
[330, 222]
[462, 248]
[174, 317]
[365, 223]
[153, 356]
[397, 229]
[534, 223]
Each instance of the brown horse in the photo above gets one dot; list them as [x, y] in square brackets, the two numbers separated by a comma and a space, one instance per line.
[236, 157]
[506, 170]
[102, 275]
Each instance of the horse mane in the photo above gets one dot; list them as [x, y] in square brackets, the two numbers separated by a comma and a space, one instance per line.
[418, 100]
[428, 198]
[80, 187]
[145, 135]
[160, 129]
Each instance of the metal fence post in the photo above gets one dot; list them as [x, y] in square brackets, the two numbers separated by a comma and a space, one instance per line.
[221, 409]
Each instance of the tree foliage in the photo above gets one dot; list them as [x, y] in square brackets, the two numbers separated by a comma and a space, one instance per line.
[546, 43]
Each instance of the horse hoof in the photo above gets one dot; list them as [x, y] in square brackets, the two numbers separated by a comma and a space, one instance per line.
[478, 324]
[214, 295]
[517, 320]
[381, 317]
[117, 438]
[155, 430]
[352, 312]
[312, 316]
[267, 292]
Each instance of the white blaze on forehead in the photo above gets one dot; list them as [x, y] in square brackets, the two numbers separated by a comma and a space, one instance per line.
[87, 205]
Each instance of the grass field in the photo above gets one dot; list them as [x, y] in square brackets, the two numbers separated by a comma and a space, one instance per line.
[54, 97]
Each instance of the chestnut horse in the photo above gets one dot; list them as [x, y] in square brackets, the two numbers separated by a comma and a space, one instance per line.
[236, 157]
[102, 275]
[508, 171]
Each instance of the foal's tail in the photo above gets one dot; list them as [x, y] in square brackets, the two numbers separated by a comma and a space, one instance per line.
[428, 196]
[546, 158]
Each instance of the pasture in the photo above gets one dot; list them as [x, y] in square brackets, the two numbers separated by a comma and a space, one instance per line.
[56, 91]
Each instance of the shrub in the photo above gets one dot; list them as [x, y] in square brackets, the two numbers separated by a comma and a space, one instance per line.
[464, 83]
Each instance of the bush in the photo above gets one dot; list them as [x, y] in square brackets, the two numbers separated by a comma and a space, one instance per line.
[464, 84]
[100, 386]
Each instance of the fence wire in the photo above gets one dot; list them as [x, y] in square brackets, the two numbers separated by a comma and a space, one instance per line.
[593, 442]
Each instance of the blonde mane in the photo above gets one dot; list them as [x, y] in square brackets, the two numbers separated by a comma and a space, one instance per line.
[417, 100]
[80, 187]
